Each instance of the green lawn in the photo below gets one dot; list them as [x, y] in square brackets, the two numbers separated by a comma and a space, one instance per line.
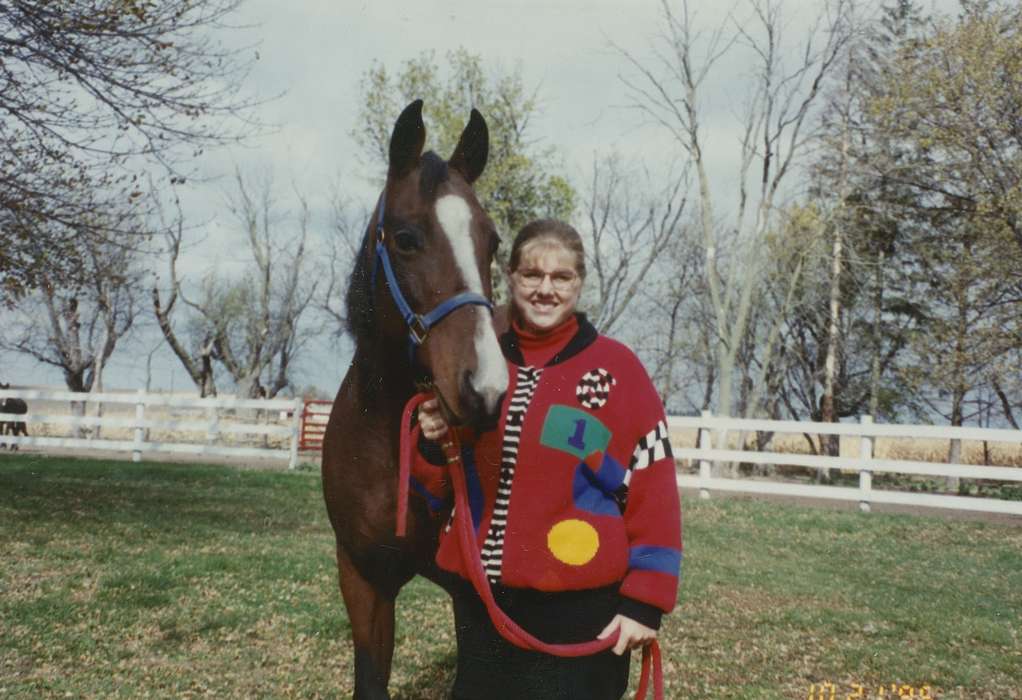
[159, 580]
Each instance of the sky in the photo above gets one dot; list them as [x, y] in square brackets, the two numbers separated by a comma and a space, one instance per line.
[312, 54]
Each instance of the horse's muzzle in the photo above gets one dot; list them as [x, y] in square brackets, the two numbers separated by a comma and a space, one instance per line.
[481, 408]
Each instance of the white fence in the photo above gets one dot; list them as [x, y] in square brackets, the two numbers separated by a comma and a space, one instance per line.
[225, 417]
[216, 419]
[866, 464]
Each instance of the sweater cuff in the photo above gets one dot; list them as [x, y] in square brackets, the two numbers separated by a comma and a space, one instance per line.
[644, 613]
[431, 452]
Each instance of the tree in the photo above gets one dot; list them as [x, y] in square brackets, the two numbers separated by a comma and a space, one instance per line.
[263, 336]
[520, 181]
[963, 336]
[91, 92]
[844, 134]
[950, 99]
[344, 233]
[195, 350]
[776, 126]
[77, 329]
[250, 326]
[955, 96]
[856, 302]
[630, 221]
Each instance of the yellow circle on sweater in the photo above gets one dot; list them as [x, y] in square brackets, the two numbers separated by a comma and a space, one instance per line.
[573, 541]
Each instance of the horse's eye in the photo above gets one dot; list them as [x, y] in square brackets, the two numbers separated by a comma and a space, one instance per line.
[406, 240]
[494, 244]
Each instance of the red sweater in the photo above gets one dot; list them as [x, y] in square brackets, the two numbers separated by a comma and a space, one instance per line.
[576, 488]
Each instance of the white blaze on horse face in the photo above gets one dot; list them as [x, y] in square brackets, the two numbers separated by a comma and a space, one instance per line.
[490, 378]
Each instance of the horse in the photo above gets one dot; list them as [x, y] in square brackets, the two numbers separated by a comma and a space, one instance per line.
[13, 427]
[418, 308]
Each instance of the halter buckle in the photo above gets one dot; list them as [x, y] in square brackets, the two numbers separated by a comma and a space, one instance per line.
[417, 329]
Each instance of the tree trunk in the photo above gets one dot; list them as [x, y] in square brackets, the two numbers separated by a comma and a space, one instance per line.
[954, 454]
[206, 385]
[960, 387]
[830, 443]
[97, 388]
[878, 301]
[1005, 403]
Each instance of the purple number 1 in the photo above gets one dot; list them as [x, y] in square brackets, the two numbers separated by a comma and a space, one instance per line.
[576, 440]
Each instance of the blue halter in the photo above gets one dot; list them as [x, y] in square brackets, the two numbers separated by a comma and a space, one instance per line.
[418, 324]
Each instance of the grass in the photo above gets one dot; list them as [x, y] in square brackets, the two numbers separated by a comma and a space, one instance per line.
[160, 580]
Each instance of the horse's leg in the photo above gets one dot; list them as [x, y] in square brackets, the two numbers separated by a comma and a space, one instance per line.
[371, 614]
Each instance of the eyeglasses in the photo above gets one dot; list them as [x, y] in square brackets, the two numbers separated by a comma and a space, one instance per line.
[561, 280]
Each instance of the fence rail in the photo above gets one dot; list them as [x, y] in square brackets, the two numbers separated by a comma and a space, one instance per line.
[866, 464]
[306, 434]
[865, 428]
[215, 422]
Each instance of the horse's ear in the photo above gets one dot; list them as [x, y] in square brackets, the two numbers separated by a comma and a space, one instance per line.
[473, 149]
[407, 140]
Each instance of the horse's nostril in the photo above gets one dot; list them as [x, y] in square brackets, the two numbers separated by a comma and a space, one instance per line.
[483, 403]
[494, 410]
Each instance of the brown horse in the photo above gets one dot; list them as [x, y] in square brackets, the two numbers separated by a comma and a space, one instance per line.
[425, 262]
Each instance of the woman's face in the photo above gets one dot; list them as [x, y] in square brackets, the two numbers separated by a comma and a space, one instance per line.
[545, 288]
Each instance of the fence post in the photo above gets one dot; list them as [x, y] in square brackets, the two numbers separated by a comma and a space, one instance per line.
[296, 423]
[705, 443]
[213, 431]
[136, 454]
[866, 457]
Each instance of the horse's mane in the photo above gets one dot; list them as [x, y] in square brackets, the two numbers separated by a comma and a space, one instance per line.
[359, 297]
[432, 172]
[359, 300]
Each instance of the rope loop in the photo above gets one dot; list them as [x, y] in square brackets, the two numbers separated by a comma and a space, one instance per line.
[652, 665]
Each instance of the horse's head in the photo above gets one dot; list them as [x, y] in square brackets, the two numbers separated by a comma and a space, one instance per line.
[439, 244]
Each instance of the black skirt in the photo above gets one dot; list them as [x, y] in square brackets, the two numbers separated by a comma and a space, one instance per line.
[490, 668]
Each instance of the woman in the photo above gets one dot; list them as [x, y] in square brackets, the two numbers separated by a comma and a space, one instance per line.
[573, 496]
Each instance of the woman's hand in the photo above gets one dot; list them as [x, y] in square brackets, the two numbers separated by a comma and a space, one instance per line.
[431, 420]
[633, 634]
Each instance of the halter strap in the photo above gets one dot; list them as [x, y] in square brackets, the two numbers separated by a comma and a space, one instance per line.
[418, 324]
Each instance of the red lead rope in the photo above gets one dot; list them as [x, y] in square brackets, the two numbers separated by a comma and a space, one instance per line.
[507, 627]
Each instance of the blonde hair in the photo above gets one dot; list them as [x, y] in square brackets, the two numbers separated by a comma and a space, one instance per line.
[549, 231]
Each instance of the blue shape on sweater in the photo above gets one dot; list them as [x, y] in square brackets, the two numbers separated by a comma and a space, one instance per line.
[648, 557]
[473, 485]
[435, 504]
[610, 475]
[593, 492]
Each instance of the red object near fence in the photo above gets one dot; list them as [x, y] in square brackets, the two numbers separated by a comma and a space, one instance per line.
[315, 414]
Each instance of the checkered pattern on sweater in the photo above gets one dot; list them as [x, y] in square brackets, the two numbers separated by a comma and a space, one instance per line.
[493, 547]
[654, 445]
[593, 389]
